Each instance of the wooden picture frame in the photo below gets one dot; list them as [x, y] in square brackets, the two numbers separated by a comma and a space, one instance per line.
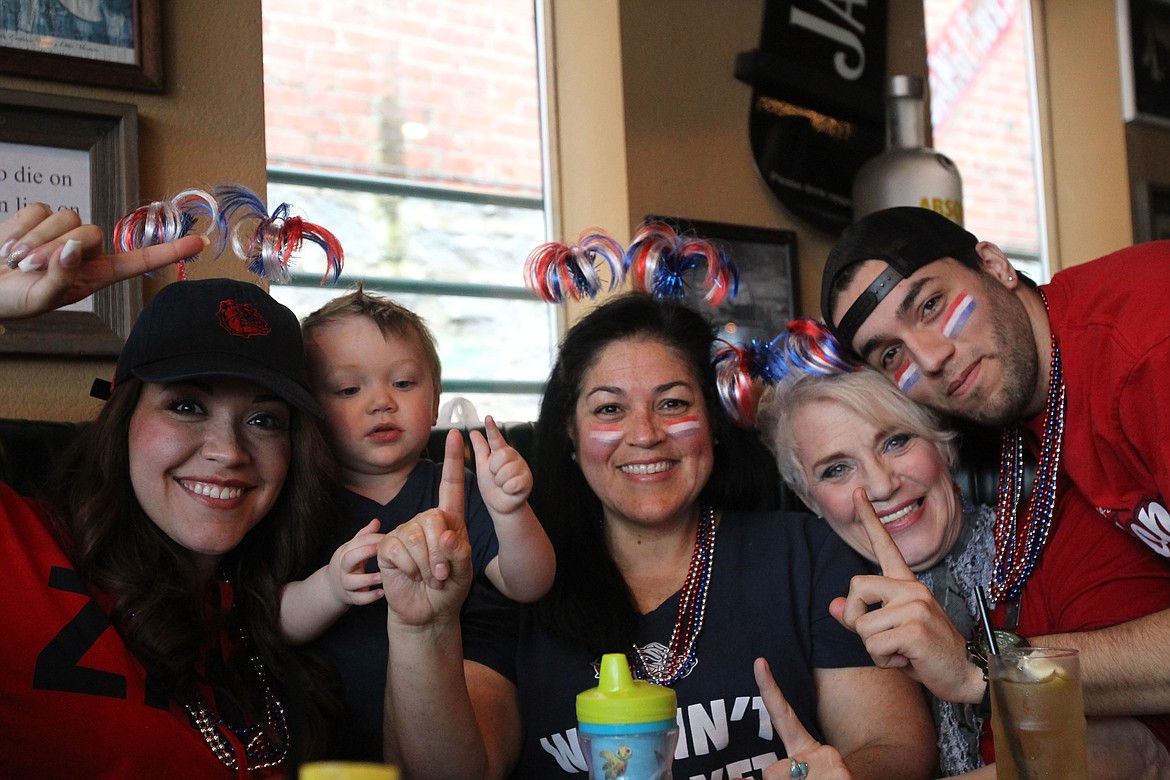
[69, 153]
[119, 46]
[768, 295]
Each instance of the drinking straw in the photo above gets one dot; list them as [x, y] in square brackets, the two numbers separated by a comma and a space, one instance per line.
[1009, 724]
[992, 644]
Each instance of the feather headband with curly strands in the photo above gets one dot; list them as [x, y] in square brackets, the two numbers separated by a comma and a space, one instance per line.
[557, 271]
[267, 247]
[804, 347]
[658, 261]
[168, 220]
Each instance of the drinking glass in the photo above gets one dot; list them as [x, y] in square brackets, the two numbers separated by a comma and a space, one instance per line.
[1038, 714]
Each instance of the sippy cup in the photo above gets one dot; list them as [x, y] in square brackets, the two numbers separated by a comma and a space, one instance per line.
[626, 727]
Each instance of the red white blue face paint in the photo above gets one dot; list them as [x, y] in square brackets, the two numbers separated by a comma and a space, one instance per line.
[906, 376]
[683, 428]
[958, 315]
[605, 435]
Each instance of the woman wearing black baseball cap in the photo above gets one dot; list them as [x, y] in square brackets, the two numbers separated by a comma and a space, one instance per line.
[140, 609]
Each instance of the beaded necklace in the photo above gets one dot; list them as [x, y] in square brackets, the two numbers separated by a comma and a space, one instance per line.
[1018, 548]
[679, 658]
[266, 744]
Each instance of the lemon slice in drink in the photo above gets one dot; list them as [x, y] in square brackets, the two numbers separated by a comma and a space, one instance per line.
[1038, 670]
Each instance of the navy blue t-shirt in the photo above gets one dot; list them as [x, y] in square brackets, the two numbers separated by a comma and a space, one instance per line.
[356, 645]
[772, 579]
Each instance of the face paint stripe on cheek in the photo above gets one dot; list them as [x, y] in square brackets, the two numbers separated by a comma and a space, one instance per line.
[906, 376]
[605, 434]
[958, 315]
[683, 428]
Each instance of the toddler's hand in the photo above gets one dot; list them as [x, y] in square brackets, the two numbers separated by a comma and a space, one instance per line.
[503, 475]
[349, 582]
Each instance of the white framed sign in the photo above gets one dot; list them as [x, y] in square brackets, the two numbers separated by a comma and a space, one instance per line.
[80, 155]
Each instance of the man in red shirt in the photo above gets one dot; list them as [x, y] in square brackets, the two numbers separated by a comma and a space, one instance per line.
[1074, 370]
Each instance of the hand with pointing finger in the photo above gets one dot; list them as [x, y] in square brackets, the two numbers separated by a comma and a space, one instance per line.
[911, 630]
[503, 475]
[349, 583]
[425, 563]
[525, 565]
[807, 757]
[48, 259]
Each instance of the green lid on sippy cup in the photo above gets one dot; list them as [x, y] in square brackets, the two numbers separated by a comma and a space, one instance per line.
[620, 699]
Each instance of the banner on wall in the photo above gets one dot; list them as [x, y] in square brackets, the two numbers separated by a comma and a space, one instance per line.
[817, 111]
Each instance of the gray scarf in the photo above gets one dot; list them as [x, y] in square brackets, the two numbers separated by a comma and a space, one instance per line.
[952, 581]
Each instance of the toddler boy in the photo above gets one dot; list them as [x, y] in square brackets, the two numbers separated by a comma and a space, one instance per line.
[375, 372]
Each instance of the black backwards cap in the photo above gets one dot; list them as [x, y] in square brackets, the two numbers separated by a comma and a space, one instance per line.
[906, 238]
[217, 327]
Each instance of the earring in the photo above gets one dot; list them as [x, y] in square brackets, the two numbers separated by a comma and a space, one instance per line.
[1011, 278]
[573, 456]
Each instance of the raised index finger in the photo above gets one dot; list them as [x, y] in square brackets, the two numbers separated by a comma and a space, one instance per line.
[451, 485]
[494, 437]
[788, 727]
[889, 557]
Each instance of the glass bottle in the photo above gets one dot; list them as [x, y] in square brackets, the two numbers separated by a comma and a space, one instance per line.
[908, 172]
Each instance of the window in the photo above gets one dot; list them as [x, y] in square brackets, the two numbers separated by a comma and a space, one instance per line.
[411, 130]
[983, 114]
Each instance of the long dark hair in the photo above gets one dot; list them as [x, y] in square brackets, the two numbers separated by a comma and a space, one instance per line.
[155, 597]
[590, 603]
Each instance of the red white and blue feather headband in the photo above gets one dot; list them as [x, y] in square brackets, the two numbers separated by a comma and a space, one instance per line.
[168, 220]
[557, 272]
[269, 246]
[804, 347]
[660, 259]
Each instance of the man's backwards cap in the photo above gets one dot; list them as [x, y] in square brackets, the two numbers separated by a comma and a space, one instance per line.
[906, 238]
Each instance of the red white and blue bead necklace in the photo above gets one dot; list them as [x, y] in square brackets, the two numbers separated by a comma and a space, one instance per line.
[265, 744]
[692, 604]
[1018, 548]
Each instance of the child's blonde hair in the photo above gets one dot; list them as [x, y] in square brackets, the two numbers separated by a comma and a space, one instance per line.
[392, 318]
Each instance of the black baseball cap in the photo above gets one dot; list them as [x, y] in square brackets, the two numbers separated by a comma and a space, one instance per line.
[219, 327]
[906, 238]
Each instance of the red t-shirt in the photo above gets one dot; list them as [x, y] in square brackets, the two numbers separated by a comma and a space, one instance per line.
[73, 701]
[1089, 576]
[1110, 318]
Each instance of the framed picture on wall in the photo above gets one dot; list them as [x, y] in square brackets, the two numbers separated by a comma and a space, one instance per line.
[108, 43]
[80, 155]
[768, 297]
[1144, 46]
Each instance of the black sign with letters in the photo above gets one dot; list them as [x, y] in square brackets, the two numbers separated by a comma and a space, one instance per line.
[817, 109]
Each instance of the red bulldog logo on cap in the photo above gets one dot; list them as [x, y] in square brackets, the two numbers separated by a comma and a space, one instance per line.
[242, 319]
